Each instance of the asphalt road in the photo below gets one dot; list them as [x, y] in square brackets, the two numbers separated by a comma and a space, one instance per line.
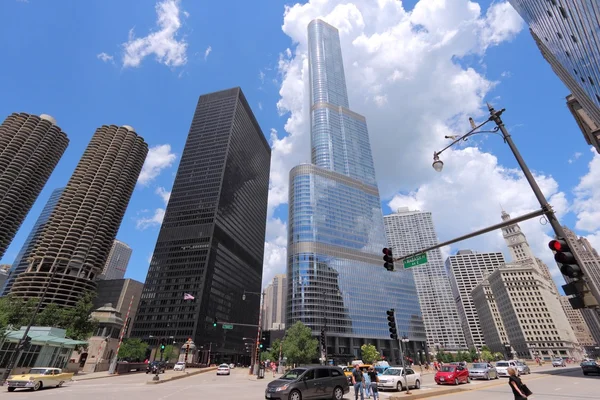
[240, 386]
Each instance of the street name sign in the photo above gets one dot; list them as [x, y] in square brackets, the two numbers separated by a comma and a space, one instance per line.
[415, 260]
[227, 326]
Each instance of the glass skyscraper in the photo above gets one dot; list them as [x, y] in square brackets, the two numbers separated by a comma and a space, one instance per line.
[336, 279]
[568, 35]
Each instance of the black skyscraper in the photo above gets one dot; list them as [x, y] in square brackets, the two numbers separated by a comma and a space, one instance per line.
[211, 241]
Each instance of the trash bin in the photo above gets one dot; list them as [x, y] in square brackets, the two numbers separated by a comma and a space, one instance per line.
[261, 371]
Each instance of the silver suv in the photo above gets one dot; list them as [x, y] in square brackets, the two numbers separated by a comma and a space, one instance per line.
[320, 382]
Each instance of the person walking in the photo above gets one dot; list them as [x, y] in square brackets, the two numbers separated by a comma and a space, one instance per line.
[516, 385]
[366, 384]
[273, 368]
[374, 379]
[357, 382]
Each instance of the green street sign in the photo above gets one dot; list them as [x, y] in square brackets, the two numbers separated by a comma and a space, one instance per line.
[227, 326]
[415, 260]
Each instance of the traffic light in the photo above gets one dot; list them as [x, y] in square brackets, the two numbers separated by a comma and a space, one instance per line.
[392, 324]
[388, 257]
[323, 342]
[163, 344]
[266, 339]
[565, 258]
[215, 322]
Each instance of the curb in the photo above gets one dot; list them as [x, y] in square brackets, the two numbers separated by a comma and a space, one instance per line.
[458, 389]
[187, 375]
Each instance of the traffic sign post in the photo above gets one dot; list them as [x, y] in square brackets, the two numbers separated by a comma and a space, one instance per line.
[227, 326]
[419, 259]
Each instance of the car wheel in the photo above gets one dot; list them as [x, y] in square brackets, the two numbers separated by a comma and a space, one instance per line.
[12, 389]
[585, 373]
[338, 393]
[456, 382]
[417, 384]
[295, 395]
[399, 386]
[38, 385]
[60, 384]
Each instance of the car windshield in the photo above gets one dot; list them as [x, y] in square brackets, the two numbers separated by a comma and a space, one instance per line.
[520, 363]
[380, 370]
[223, 366]
[180, 363]
[447, 368]
[480, 365]
[588, 363]
[37, 371]
[501, 364]
[293, 374]
[393, 371]
[558, 359]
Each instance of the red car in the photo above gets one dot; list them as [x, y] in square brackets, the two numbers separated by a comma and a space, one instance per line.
[452, 375]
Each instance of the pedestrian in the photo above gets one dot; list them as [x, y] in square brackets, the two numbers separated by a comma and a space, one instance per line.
[273, 368]
[518, 388]
[366, 384]
[357, 382]
[374, 379]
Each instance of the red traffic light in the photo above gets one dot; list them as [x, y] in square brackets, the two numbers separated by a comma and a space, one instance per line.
[386, 251]
[557, 245]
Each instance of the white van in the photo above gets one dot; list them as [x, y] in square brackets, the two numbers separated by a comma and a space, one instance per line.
[503, 366]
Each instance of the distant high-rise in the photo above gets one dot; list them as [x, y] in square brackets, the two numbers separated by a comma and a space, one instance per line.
[468, 269]
[30, 147]
[78, 236]
[274, 303]
[408, 232]
[490, 320]
[336, 279]
[116, 263]
[21, 263]
[567, 37]
[123, 294]
[211, 242]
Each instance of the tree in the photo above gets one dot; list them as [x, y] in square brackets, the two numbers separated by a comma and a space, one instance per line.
[485, 348]
[498, 356]
[274, 353]
[486, 355]
[133, 349]
[473, 354]
[77, 319]
[369, 354]
[298, 345]
[171, 353]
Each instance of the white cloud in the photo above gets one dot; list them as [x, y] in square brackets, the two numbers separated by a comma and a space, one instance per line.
[261, 76]
[164, 195]
[402, 74]
[162, 43]
[105, 57]
[207, 52]
[154, 220]
[587, 198]
[159, 157]
[260, 105]
[575, 157]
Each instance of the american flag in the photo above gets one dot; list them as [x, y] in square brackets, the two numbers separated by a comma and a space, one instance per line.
[187, 296]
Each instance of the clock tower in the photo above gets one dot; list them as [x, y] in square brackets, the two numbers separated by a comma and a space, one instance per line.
[516, 242]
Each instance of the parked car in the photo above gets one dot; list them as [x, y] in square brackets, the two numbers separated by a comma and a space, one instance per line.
[559, 362]
[590, 367]
[231, 366]
[503, 366]
[223, 369]
[180, 366]
[38, 378]
[394, 378]
[452, 375]
[320, 382]
[483, 371]
[522, 368]
[380, 369]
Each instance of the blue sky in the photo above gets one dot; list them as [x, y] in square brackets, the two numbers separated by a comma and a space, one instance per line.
[80, 62]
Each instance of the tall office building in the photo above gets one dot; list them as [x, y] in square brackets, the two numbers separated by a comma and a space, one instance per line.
[490, 320]
[30, 147]
[123, 294]
[21, 263]
[116, 263]
[408, 232]
[336, 279]
[577, 322]
[589, 127]
[76, 239]
[567, 37]
[211, 241]
[274, 303]
[466, 270]
[590, 260]
[4, 269]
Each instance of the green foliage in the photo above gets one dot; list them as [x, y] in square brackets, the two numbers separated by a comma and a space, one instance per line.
[133, 349]
[444, 357]
[273, 354]
[298, 345]
[473, 354]
[171, 353]
[76, 321]
[369, 354]
[487, 355]
[485, 348]
[498, 356]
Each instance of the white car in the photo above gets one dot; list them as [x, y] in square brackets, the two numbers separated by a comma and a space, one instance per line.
[180, 366]
[393, 378]
[503, 366]
[223, 369]
[231, 366]
[559, 362]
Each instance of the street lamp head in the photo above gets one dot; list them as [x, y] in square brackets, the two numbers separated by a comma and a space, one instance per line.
[437, 163]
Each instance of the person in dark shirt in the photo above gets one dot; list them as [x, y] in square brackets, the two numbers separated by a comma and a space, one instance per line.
[357, 381]
[515, 384]
[374, 379]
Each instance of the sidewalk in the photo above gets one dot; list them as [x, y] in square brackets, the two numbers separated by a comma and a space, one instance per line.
[168, 375]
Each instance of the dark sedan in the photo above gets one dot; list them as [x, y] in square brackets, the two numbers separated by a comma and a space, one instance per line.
[590, 367]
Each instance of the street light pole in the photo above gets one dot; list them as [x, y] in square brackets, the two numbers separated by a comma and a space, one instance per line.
[255, 354]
